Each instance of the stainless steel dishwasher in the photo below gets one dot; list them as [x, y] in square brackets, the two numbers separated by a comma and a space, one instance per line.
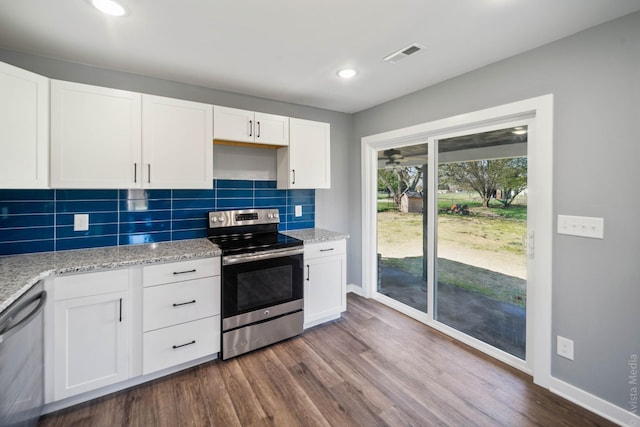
[22, 359]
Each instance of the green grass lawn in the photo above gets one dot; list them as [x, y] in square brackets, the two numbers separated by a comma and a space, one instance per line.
[496, 230]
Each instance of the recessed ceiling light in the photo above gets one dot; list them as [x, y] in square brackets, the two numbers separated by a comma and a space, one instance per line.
[347, 73]
[109, 7]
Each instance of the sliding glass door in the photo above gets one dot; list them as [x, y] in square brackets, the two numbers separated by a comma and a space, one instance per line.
[476, 253]
[402, 232]
[481, 268]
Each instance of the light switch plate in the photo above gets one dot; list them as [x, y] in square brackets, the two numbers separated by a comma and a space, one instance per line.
[298, 210]
[582, 226]
[81, 222]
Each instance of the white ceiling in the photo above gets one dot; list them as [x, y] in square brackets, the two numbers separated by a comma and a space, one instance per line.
[290, 50]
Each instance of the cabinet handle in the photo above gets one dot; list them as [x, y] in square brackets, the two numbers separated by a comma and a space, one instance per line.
[149, 173]
[185, 272]
[178, 304]
[326, 250]
[184, 345]
[120, 320]
[257, 129]
[135, 172]
[294, 176]
[308, 272]
[250, 127]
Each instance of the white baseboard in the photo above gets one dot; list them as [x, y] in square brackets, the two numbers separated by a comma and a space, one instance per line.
[355, 289]
[594, 404]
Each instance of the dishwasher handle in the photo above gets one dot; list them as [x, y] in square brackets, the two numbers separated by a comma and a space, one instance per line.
[13, 329]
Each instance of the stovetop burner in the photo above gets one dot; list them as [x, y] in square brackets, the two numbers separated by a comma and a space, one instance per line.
[249, 230]
[255, 243]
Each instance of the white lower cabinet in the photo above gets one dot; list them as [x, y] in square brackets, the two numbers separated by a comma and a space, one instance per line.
[181, 313]
[91, 332]
[106, 328]
[325, 285]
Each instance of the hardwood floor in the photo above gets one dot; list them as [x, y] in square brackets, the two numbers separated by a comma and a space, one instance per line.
[374, 367]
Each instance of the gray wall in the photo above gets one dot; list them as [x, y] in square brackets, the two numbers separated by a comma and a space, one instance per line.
[331, 205]
[595, 78]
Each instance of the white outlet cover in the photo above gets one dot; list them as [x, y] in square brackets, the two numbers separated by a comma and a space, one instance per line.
[298, 210]
[564, 347]
[81, 222]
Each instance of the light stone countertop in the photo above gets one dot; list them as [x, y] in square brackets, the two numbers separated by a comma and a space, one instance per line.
[315, 235]
[18, 273]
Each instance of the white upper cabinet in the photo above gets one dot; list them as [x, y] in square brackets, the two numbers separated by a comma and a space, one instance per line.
[24, 128]
[177, 143]
[232, 124]
[109, 138]
[306, 163]
[95, 136]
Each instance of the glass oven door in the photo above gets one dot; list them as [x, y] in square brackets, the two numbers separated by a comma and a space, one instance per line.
[260, 280]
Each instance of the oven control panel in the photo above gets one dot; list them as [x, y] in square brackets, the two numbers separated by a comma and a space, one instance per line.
[243, 217]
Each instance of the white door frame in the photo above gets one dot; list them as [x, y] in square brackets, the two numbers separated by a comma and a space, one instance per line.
[540, 230]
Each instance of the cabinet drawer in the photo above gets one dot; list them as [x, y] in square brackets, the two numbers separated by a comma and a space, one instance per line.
[181, 343]
[179, 271]
[334, 247]
[87, 284]
[180, 302]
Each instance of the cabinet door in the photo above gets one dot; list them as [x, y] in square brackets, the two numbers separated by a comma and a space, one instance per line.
[95, 137]
[309, 156]
[271, 129]
[24, 128]
[177, 143]
[325, 289]
[232, 124]
[91, 343]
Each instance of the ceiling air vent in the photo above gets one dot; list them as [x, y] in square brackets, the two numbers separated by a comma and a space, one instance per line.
[403, 53]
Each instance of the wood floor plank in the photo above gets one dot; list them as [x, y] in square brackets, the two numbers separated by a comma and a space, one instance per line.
[373, 367]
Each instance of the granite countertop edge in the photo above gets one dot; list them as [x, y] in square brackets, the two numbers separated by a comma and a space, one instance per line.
[18, 273]
[316, 235]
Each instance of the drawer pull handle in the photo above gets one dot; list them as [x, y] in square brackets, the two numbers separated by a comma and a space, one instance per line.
[308, 271]
[184, 345]
[178, 304]
[326, 250]
[186, 271]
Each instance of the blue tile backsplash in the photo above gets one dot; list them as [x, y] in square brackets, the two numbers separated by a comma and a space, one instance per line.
[42, 220]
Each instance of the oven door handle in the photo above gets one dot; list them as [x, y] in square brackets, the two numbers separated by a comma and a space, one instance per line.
[251, 257]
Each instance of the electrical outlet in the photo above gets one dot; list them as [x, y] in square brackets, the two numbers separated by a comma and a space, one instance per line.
[565, 347]
[298, 210]
[81, 222]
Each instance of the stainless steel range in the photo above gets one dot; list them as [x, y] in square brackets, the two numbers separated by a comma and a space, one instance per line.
[262, 279]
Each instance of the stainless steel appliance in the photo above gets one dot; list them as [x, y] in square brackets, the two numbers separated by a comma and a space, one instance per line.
[262, 279]
[22, 360]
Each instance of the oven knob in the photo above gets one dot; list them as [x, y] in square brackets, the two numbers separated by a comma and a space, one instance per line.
[214, 219]
[275, 214]
[221, 219]
[267, 312]
[270, 215]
